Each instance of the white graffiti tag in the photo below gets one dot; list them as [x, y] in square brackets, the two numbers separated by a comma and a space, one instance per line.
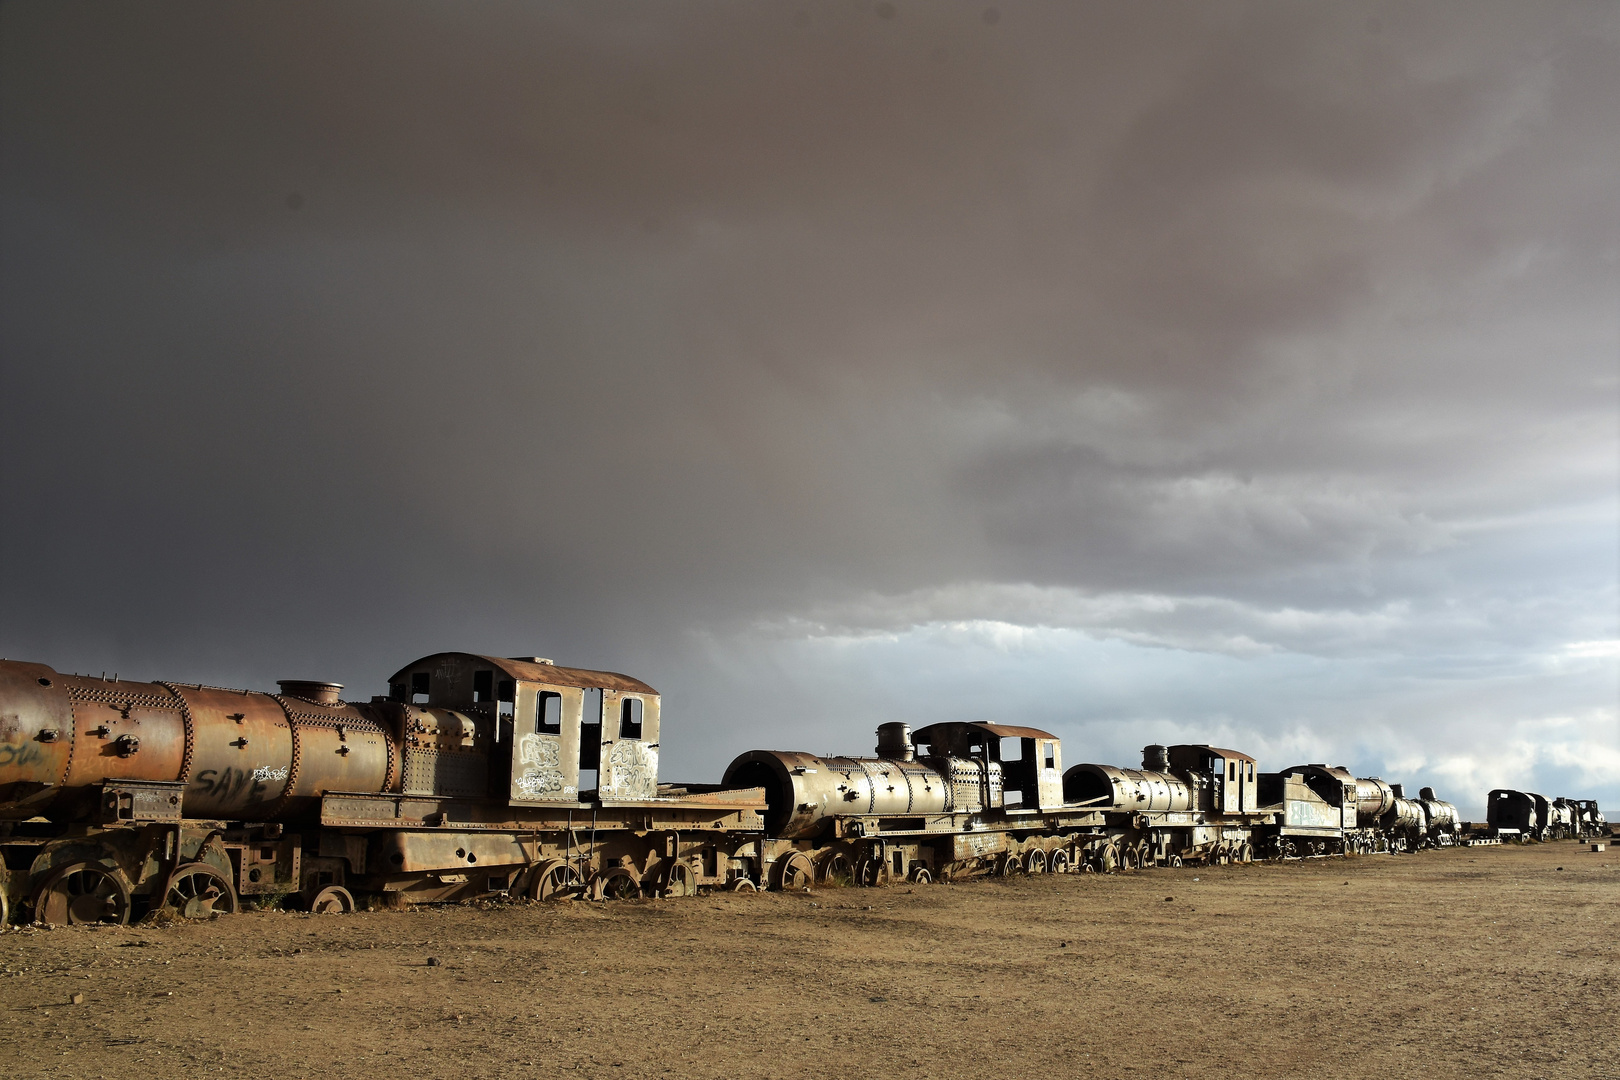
[540, 758]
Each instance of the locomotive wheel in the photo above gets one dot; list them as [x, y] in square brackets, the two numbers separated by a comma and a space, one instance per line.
[1246, 853]
[1010, 866]
[1108, 859]
[743, 884]
[1035, 862]
[680, 881]
[872, 873]
[332, 900]
[5, 908]
[1174, 862]
[920, 875]
[83, 893]
[198, 891]
[1059, 863]
[615, 883]
[555, 880]
[793, 873]
[835, 869]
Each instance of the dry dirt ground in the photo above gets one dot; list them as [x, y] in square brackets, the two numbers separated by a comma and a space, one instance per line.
[1460, 963]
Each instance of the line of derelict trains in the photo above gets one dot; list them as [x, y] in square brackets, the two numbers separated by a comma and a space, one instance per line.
[481, 775]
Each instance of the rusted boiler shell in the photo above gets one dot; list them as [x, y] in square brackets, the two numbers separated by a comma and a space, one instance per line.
[1442, 816]
[803, 792]
[1405, 814]
[1374, 799]
[1107, 788]
[243, 755]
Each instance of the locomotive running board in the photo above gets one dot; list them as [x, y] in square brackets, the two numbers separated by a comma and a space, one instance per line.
[370, 810]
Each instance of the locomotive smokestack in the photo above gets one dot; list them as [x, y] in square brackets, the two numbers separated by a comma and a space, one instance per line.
[1399, 790]
[1155, 758]
[320, 693]
[894, 742]
[1428, 793]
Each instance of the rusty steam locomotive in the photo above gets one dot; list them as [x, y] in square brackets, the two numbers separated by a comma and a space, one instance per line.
[481, 775]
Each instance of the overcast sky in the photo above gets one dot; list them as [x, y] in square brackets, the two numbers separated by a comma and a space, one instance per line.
[1233, 373]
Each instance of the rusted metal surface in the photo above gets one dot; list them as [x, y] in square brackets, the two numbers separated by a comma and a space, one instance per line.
[36, 738]
[1443, 824]
[1126, 789]
[243, 753]
[452, 682]
[1374, 799]
[805, 793]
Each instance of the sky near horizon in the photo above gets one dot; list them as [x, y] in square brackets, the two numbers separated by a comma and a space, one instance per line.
[1231, 373]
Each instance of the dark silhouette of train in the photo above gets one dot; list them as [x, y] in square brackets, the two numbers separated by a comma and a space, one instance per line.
[480, 775]
[1525, 815]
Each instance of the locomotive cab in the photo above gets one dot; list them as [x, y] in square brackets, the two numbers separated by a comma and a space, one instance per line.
[1031, 760]
[548, 735]
[1233, 785]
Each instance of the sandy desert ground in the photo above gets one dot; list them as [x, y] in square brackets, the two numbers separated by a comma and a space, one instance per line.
[1462, 963]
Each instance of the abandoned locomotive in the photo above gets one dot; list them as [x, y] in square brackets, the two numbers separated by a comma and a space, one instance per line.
[479, 775]
[466, 779]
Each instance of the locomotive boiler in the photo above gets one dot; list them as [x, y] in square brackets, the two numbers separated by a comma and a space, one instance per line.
[1443, 825]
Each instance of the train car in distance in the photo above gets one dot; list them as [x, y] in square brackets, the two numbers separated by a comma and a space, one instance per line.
[1588, 819]
[1525, 815]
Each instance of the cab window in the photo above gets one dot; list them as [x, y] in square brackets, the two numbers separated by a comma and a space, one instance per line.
[548, 713]
[630, 718]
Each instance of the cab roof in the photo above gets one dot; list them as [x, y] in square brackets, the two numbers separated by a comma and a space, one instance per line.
[999, 731]
[1216, 751]
[525, 670]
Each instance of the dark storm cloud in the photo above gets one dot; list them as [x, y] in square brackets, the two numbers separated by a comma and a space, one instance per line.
[335, 334]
